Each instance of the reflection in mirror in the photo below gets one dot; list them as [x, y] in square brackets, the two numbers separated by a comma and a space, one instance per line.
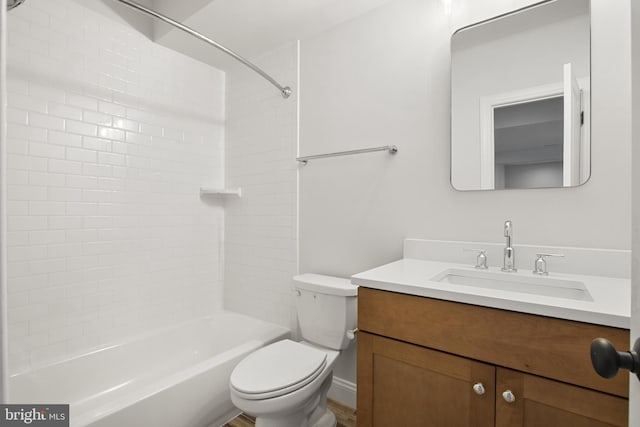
[520, 91]
[528, 144]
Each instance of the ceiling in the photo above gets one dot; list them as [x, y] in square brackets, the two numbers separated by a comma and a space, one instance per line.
[252, 27]
[248, 27]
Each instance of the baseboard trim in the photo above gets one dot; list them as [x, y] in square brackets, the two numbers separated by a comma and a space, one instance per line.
[343, 391]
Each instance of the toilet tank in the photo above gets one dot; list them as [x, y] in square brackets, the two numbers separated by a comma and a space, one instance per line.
[327, 309]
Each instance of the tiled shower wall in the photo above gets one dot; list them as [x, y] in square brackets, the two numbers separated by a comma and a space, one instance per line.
[110, 138]
[261, 227]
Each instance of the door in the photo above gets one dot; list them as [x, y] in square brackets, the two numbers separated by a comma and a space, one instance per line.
[572, 124]
[401, 384]
[535, 401]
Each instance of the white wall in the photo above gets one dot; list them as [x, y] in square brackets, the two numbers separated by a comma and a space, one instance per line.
[178, 10]
[123, 14]
[261, 227]
[110, 137]
[533, 176]
[384, 78]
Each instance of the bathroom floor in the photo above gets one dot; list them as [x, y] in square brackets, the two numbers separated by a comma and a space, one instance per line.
[346, 417]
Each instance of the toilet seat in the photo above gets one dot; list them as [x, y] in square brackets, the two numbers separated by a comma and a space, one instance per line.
[277, 369]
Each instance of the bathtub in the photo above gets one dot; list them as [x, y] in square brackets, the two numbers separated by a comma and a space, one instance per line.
[177, 377]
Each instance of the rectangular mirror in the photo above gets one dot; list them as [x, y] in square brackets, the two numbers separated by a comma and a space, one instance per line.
[520, 92]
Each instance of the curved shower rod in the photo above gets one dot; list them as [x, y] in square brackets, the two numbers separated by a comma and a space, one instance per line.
[284, 90]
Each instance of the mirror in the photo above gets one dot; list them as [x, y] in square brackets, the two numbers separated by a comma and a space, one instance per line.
[520, 99]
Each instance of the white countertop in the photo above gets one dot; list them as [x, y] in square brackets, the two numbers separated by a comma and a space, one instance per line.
[610, 306]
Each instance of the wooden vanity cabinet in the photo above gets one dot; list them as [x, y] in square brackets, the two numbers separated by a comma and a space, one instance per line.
[426, 362]
[541, 402]
[401, 384]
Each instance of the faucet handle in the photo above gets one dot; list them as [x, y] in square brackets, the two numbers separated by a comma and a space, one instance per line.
[540, 265]
[481, 259]
[508, 228]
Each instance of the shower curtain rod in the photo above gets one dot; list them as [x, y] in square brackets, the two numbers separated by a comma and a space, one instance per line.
[284, 90]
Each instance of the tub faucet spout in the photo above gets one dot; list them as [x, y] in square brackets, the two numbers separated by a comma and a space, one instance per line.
[509, 251]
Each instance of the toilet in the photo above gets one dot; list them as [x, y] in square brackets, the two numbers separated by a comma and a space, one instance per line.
[285, 384]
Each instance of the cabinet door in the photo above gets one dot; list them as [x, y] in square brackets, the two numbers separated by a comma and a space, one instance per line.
[401, 384]
[543, 402]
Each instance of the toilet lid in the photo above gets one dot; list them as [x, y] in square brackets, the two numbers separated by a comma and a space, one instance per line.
[278, 368]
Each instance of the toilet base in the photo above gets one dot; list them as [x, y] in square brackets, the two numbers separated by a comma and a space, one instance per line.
[328, 419]
[313, 413]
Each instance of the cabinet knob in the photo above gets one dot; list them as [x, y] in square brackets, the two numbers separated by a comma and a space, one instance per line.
[479, 388]
[508, 396]
[606, 360]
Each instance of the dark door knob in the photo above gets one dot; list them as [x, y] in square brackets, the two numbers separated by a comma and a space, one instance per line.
[607, 361]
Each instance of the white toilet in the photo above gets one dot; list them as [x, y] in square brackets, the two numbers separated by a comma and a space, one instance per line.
[285, 384]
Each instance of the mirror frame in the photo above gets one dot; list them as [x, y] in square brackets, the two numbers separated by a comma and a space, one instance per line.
[588, 103]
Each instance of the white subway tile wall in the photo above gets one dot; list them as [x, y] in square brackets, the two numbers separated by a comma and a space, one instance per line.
[261, 227]
[110, 138]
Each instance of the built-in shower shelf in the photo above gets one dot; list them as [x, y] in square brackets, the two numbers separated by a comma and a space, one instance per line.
[221, 192]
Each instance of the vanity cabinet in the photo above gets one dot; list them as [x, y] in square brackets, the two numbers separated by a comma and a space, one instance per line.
[401, 384]
[427, 362]
[544, 402]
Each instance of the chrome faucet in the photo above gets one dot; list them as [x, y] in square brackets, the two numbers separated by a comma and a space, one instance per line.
[509, 252]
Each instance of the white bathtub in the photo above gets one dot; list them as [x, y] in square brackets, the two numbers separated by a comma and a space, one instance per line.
[178, 377]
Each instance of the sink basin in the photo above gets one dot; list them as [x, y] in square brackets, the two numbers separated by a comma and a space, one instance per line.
[551, 287]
